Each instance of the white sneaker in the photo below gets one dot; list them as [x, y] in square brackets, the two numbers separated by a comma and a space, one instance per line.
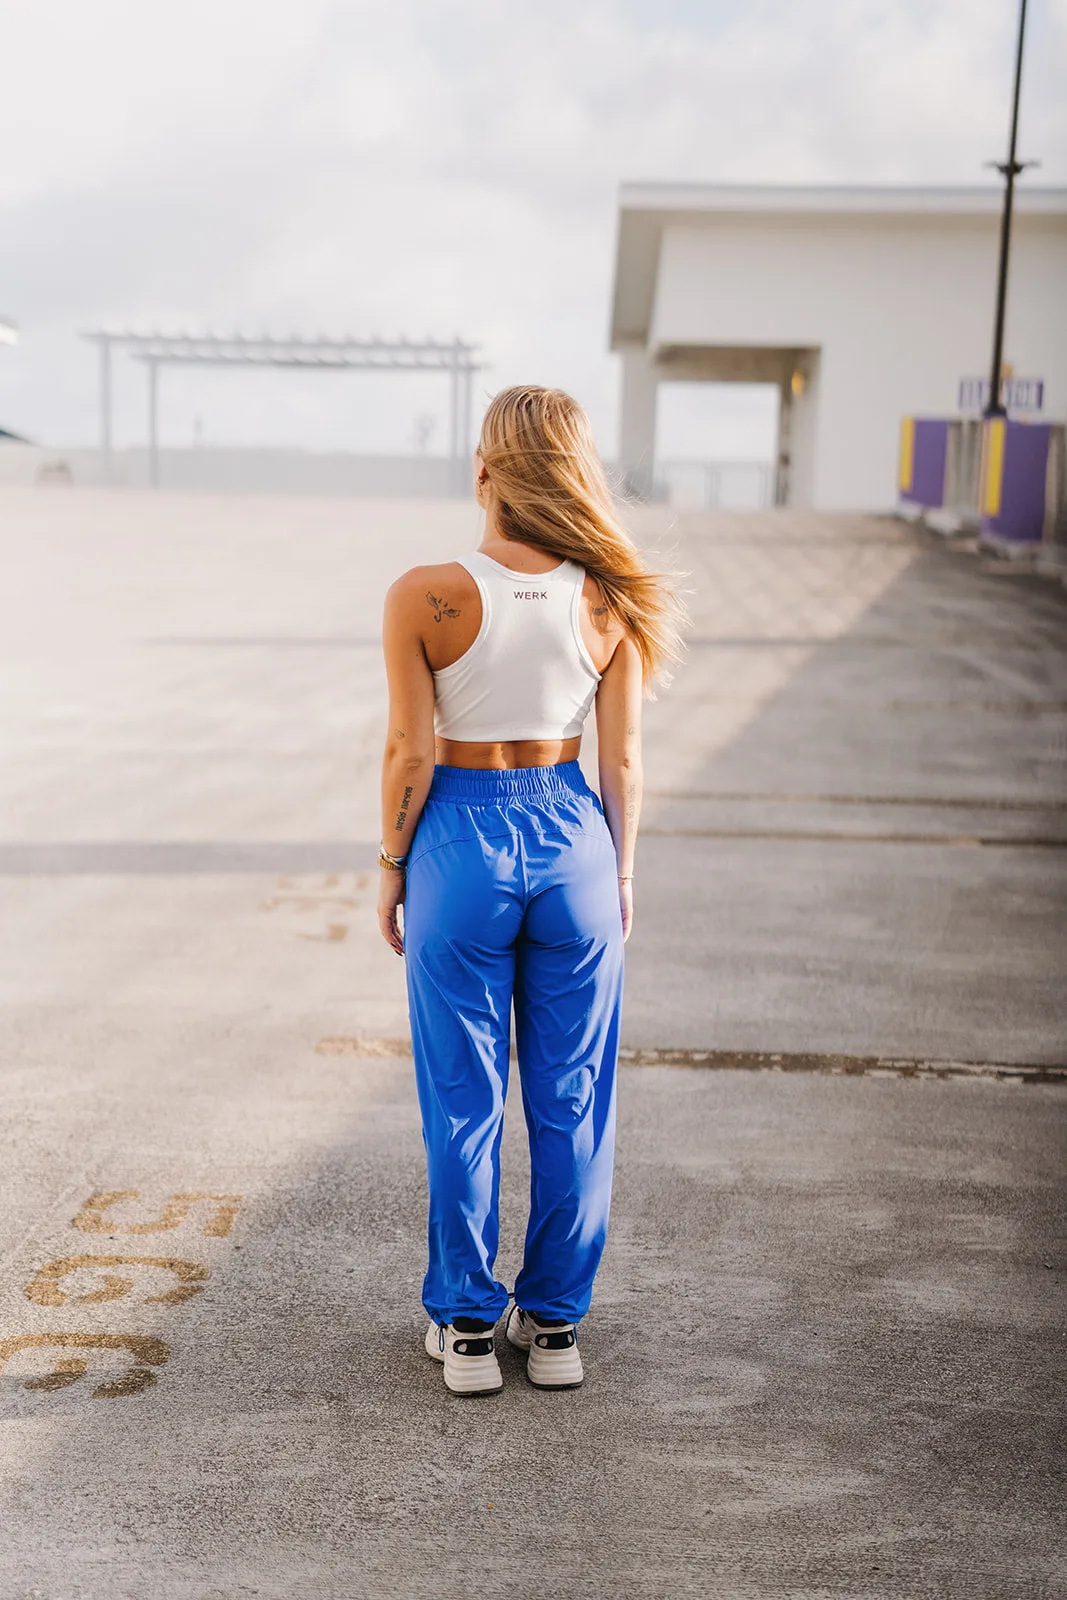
[469, 1359]
[553, 1361]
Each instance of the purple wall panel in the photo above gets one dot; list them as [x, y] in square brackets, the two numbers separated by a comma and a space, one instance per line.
[928, 462]
[1022, 495]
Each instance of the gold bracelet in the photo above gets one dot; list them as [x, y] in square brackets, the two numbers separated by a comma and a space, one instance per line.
[395, 863]
[626, 877]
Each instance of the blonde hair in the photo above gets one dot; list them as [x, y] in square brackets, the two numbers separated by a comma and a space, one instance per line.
[551, 491]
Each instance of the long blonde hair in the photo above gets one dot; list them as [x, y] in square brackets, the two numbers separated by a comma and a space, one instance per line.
[550, 490]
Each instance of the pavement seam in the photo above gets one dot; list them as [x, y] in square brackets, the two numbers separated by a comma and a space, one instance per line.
[395, 1048]
[840, 836]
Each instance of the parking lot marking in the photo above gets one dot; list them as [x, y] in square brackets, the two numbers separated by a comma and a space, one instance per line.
[92, 1217]
[147, 1353]
[45, 1289]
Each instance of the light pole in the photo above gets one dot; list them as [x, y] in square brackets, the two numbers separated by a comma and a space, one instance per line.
[1010, 170]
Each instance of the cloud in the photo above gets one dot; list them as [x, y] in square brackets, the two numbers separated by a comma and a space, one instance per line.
[435, 167]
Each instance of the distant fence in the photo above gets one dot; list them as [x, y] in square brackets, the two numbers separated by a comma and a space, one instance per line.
[711, 485]
[685, 484]
[244, 471]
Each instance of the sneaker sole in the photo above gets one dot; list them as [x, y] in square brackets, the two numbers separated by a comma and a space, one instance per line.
[543, 1381]
[476, 1393]
[527, 1346]
[494, 1386]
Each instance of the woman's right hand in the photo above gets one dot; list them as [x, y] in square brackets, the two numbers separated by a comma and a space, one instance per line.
[392, 887]
[626, 905]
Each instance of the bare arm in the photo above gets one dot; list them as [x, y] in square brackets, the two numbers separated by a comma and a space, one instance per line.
[408, 762]
[618, 723]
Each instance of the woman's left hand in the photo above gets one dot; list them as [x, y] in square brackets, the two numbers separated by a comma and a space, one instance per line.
[626, 906]
[391, 888]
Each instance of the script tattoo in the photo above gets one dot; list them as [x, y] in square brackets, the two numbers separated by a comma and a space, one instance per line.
[402, 814]
[440, 608]
[631, 802]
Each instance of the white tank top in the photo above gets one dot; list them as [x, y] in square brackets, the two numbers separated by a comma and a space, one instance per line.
[528, 674]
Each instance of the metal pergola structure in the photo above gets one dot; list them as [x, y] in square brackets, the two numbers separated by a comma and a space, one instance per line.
[236, 350]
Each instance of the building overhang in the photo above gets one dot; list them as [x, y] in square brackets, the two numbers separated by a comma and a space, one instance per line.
[646, 209]
[720, 363]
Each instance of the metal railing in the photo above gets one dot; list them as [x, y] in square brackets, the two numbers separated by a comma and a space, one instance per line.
[713, 485]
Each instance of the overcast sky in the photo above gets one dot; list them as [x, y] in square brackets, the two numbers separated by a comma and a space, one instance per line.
[441, 167]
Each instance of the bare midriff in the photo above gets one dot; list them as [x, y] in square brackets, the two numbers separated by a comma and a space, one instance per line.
[506, 754]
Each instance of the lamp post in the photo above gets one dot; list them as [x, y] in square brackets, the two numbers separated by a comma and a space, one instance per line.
[1010, 170]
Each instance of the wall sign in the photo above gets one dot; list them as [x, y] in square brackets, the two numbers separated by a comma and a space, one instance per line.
[1016, 394]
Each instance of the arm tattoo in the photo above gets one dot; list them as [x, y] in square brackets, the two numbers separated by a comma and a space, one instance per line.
[631, 802]
[402, 814]
[440, 607]
[398, 733]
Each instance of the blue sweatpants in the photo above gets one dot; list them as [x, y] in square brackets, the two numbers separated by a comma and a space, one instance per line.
[512, 896]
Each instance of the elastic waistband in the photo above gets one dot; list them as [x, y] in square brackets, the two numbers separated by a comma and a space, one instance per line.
[491, 786]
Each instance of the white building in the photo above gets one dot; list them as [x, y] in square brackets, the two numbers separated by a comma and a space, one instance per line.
[862, 305]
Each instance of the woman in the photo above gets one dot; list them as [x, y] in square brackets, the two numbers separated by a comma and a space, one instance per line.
[516, 879]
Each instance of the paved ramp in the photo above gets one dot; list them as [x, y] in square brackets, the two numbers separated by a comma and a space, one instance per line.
[826, 1354]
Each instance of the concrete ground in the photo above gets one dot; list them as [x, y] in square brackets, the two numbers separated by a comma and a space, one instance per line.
[826, 1354]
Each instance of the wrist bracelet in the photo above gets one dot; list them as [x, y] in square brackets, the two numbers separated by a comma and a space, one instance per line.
[397, 863]
[626, 877]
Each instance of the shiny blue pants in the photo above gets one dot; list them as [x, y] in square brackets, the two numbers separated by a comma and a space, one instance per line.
[512, 897]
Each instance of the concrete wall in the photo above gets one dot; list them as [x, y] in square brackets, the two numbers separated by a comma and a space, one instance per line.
[18, 462]
[804, 443]
[637, 426]
[245, 471]
[895, 309]
[733, 484]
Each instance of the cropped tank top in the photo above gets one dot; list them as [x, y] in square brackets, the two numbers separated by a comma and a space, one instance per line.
[528, 674]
